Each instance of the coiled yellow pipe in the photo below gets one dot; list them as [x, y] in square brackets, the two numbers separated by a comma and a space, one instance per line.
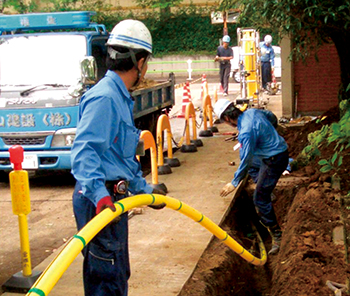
[59, 265]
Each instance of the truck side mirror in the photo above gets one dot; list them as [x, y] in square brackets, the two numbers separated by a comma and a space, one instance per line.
[88, 67]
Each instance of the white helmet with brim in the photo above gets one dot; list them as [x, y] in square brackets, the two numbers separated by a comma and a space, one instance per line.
[132, 34]
[220, 107]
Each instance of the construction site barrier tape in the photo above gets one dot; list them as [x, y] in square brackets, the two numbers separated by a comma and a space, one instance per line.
[183, 83]
[74, 246]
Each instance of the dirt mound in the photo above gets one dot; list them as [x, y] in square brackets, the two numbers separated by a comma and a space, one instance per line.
[314, 220]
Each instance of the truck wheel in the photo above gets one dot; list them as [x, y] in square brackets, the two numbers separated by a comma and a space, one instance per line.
[4, 177]
[237, 77]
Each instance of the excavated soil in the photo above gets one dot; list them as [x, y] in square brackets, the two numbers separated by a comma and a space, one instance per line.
[314, 216]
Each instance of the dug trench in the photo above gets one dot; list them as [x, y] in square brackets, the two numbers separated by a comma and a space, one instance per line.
[312, 249]
[314, 215]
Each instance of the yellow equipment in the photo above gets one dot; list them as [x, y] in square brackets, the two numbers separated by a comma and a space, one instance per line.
[19, 184]
[248, 42]
[59, 265]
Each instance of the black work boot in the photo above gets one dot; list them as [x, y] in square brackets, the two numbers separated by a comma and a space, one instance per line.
[276, 234]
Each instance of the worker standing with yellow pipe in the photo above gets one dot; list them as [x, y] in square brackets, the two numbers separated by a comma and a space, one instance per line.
[104, 161]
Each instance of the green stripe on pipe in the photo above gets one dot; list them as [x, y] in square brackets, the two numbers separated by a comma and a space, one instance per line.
[122, 206]
[37, 291]
[201, 219]
[81, 239]
[226, 237]
[153, 199]
[179, 207]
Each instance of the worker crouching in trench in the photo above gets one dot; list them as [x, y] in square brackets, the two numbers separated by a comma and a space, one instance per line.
[258, 138]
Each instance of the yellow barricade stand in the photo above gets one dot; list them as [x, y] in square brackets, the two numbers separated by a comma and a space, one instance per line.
[164, 164]
[19, 184]
[151, 144]
[207, 113]
[190, 145]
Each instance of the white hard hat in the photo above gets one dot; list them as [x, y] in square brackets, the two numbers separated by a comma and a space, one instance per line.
[268, 39]
[220, 106]
[131, 34]
[226, 38]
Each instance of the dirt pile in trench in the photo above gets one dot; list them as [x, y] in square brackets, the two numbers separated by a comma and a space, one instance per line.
[313, 214]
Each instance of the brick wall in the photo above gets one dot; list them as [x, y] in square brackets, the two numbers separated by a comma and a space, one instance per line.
[318, 82]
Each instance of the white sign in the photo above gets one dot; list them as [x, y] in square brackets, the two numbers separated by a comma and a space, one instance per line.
[217, 17]
[30, 161]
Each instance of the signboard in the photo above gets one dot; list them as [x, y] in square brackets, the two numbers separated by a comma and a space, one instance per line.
[218, 17]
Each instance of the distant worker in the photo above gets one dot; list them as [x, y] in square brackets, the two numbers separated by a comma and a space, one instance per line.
[224, 55]
[267, 61]
[104, 161]
[258, 138]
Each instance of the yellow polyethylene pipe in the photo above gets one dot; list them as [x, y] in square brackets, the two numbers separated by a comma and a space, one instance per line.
[59, 265]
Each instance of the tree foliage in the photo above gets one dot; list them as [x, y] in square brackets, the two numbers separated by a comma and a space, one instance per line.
[309, 23]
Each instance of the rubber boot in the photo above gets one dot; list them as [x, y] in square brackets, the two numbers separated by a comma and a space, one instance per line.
[276, 234]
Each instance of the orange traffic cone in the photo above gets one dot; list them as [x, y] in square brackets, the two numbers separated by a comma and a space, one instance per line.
[221, 90]
[204, 80]
[215, 95]
[187, 85]
[185, 101]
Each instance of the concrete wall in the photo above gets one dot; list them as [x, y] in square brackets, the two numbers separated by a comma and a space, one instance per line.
[287, 79]
[161, 67]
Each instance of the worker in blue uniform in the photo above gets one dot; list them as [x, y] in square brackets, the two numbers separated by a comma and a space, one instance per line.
[267, 58]
[255, 164]
[258, 138]
[104, 161]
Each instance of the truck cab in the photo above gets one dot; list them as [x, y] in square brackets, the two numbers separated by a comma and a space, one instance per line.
[47, 62]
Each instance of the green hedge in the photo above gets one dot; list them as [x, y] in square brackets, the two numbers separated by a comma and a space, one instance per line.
[186, 31]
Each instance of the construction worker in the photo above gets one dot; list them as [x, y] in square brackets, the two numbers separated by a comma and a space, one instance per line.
[267, 56]
[224, 55]
[103, 158]
[257, 138]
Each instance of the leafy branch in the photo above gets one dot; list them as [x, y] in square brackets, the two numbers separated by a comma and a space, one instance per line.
[338, 133]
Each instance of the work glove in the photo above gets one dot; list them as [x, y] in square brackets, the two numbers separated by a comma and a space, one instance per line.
[103, 203]
[106, 202]
[162, 205]
[227, 189]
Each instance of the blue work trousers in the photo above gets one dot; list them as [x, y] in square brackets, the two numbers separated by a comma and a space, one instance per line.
[106, 267]
[266, 73]
[270, 171]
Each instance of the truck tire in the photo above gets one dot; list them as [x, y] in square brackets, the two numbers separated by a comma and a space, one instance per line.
[236, 76]
[4, 177]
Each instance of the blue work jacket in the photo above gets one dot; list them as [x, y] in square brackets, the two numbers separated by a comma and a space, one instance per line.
[257, 137]
[267, 53]
[105, 144]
